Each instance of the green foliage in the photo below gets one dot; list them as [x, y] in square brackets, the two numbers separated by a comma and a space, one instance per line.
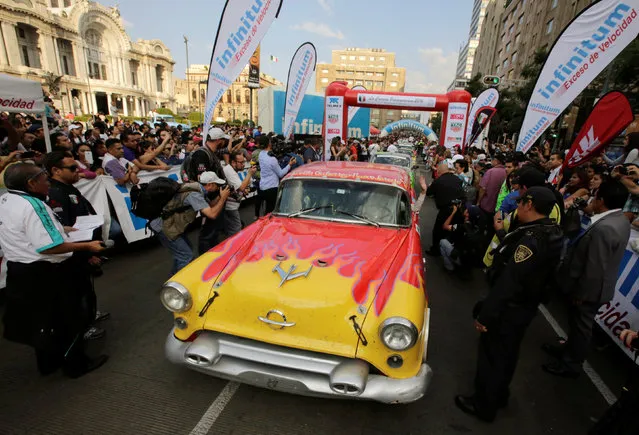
[436, 122]
[82, 118]
[476, 85]
[247, 123]
[195, 117]
[235, 122]
[164, 111]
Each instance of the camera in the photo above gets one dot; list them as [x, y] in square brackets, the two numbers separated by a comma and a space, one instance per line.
[235, 194]
[579, 203]
[622, 170]
[456, 202]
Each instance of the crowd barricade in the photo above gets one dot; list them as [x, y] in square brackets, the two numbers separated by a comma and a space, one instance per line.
[102, 190]
[623, 311]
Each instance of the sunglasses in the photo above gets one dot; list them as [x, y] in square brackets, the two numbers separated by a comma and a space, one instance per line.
[71, 168]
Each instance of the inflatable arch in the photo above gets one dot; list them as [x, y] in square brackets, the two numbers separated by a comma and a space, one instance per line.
[409, 124]
[339, 98]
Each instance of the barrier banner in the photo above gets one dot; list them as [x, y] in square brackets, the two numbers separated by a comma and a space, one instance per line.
[243, 24]
[585, 47]
[455, 125]
[299, 76]
[622, 312]
[610, 116]
[482, 117]
[488, 98]
[352, 110]
[254, 70]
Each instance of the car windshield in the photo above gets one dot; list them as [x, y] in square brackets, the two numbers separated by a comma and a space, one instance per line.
[167, 118]
[350, 201]
[393, 159]
[406, 150]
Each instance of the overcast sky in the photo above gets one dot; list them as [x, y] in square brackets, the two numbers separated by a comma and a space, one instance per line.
[425, 34]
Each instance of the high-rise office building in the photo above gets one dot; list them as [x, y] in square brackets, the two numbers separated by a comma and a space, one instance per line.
[373, 68]
[514, 30]
[467, 53]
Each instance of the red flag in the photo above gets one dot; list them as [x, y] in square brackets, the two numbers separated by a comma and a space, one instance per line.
[610, 116]
[482, 117]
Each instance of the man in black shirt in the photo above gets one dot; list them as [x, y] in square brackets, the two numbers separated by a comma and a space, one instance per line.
[203, 160]
[446, 189]
[68, 204]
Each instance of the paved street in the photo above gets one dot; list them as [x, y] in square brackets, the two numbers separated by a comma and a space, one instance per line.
[139, 392]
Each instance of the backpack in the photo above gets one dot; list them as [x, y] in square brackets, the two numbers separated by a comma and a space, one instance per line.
[148, 199]
[189, 174]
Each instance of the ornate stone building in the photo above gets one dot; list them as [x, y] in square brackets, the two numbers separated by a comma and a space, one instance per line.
[235, 104]
[86, 44]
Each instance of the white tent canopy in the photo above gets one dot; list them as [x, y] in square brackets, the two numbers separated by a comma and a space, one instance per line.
[23, 96]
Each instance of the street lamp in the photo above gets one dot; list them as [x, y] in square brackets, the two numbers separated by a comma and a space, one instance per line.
[188, 79]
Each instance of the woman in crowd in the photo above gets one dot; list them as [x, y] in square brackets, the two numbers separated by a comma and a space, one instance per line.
[577, 187]
[630, 154]
[84, 166]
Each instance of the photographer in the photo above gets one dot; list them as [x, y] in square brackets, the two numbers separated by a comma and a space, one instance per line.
[463, 239]
[270, 175]
[232, 221]
[446, 189]
[182, 210]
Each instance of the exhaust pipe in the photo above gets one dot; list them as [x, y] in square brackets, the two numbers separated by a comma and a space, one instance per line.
[349, 378]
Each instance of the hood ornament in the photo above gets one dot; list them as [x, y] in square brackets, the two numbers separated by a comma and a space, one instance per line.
[289, 275]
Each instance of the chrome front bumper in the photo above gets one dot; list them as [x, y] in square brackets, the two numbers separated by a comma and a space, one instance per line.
[292, 370]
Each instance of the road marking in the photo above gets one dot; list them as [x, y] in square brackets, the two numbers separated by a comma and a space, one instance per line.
[216, 408]
[590, 372]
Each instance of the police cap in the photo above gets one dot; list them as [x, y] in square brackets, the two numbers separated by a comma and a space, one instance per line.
[542, 198]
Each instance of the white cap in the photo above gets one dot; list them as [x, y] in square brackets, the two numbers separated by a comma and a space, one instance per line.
[481, 157]
[216, 133]
[210, 177]
[457, 157]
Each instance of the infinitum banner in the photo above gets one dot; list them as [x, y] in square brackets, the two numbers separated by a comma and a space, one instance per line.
[299, 76]
[488, 98]
[585, 47]
[242, 26]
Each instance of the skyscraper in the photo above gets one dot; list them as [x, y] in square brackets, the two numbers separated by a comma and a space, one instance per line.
[467, 53]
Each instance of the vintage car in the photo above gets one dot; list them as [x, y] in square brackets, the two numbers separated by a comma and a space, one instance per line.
[397, 159]
[323, 297]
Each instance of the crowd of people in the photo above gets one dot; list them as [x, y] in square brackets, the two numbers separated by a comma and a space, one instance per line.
[540, 231]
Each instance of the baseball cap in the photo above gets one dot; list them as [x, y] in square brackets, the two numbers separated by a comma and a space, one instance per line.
[74, 126]
[210, 177]
[457, 157]
[34, 128]
[216, 133]
[542, 199]
[481, 157]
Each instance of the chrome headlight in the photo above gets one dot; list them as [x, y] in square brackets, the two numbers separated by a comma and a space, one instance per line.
[175, 297]
[398, 333]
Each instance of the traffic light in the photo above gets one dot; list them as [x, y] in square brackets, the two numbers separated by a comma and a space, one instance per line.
[491, 80]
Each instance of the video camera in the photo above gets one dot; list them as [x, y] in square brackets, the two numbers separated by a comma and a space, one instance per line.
[281, 147]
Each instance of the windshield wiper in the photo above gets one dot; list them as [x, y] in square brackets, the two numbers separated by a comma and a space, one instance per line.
[353, 215]
[361, 218]
[308, 210]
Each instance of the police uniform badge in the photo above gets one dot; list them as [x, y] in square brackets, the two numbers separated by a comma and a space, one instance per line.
[522, 254]
[74, 199]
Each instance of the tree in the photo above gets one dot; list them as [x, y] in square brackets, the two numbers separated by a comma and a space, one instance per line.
[475, 86]
[164, 111]
[195, 117]
[436, 123]
[52, 82]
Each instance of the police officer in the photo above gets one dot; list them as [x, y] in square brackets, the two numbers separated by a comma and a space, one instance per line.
[68, 204]
[523, 264]
[43, 303]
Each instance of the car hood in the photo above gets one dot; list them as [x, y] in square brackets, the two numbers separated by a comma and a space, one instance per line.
[313, 279]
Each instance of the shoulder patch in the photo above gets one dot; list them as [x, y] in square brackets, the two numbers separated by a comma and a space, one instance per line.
[522, 254]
